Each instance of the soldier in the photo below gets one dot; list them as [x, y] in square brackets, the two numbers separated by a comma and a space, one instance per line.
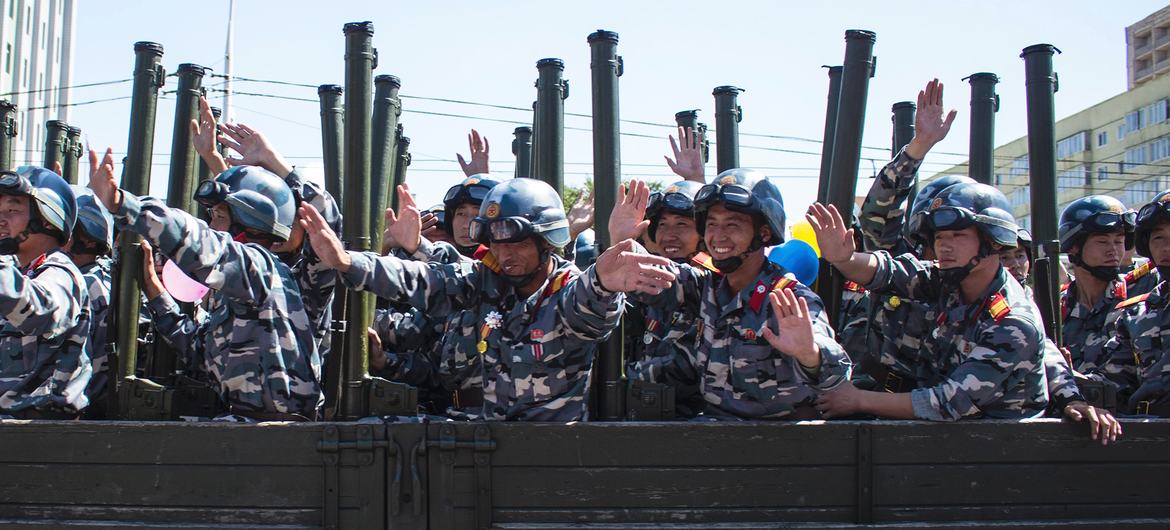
[1018, 260]
[434, 223]
[89, 248]
[257, 343]
[751, 367]
[44, 305]
[460, 205]
[987, 342]
[1095, 232]
[531, 317]
[1135, 353]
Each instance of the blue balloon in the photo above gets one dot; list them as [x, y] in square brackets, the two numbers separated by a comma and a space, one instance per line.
[797, 257]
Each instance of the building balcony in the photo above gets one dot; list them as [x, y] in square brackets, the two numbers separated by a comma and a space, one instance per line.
[1142, 73]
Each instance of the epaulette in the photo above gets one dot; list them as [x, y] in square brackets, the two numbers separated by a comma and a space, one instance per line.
[854, 286]
[489, 260]
[559, 282]
[998, 307]
[1120, 292]
[1138, 273]
[480, 252]
[782, 283]
[704, 260]
[1132, 301]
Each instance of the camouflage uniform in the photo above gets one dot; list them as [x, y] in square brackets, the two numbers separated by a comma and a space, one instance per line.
[895, 359]
[537, 353]
[742, 376]
[1142, 279]
[258, 342]
[853, 324]
[1083, 328]
[44, 324]
[882, 216]
[664, 352]
[316, 281]
[992, 351]
[1135, 351]
[98, 282]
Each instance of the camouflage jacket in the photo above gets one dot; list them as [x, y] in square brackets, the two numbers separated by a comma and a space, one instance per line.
[883, 214]
[1083, 327]
[316, 281]
[1136, 350]
[44, 324]
[98, 283]
[537, 352]
[853, 321]
[894, 358]
[257, 342]
[1142, 279]
[992, 350]
[742, 377]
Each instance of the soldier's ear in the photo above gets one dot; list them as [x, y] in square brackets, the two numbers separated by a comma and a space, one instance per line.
[766, 234]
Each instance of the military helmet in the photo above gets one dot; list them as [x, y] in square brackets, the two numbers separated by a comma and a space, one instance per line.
[1024, 241]
[963, 205]
[472, 190]
[677, 198]
[52, 204]
[440, 213]
[1149, 217]
[922, 201]
[1095, 214]
[746, 191]
[518, 209]
[257, 198]
[94, 220]
[586, 249]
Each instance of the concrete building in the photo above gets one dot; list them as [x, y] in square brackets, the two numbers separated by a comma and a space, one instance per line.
[1119, 147]
[1147, 47]
[37, 39]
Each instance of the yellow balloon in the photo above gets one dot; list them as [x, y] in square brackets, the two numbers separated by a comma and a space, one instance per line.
[803, 231]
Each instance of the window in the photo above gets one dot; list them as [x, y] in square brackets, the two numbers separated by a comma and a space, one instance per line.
[1121, 132]
[24, 75]
[1135, 155]
[1159, 149]
[1102, 174]
[1154, 113]
[8, 59]
[1018, 169]
[1140, 192]
[1021, 195]
[59, 49]
[1071, 145]
[1102, 138]
[1072, 179]
[12, 9]
[28, 20]
[44, 36]
[999, 179]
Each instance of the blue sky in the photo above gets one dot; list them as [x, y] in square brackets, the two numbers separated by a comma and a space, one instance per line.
[674, 54]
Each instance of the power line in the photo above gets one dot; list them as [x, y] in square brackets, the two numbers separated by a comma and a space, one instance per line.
[85, 85]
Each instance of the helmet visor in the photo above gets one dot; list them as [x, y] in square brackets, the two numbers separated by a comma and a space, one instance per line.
[470, 193]
[731, 194]
[506, 230]
[948, 218]
[210, 193]
[13, 184]
[671, 201]
[1149, 212]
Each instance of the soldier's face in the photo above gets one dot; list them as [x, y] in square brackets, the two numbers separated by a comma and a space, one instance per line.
[676, 236]
[956, 248]
[461, 224]
[1016, 262]
[517, 259]
[1103, 250]
[221, 218]
[728, 233]
[1160, 245]
[14, 215]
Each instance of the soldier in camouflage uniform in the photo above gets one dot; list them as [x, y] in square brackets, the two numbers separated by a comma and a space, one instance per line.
[988, 346]
[765, 346]
[44, 304]
[1095, 232]
[1018, 261]
[257, 343]
[1136, 353]
[531, 317]
[90, 246]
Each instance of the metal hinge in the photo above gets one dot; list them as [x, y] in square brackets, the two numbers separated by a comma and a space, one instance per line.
[482, 445]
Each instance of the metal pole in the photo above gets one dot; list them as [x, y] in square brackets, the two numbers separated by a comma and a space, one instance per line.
[1042, 84]
[149, 76]
[830, 133]
[606, 66]
[903, 118]
[331, 123]
[728, 114]
[55, 132]
[359, 73]
[856, 71]
[551, 91]
[387, 109]
[183, 180]
[984, 104]
[689, 119]
[73, 150]
[522, 148]
[8, 128]
[401, 164]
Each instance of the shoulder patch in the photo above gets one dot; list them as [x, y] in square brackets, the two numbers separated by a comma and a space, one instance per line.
[705, 261]
[559, 282]
[854, 286]
[1119, 291]
[1132, 301]
[998, 307]
[489, 260]
[782, 283]
[1138, 273]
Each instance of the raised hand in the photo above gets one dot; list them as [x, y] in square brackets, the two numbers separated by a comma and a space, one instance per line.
[581, 215]
[795, 337]
[405, 228]
[620, 269]
[323, 239]
[152, 286]
[930, 127]
[479, 155]
[688, 161]
[101, 180]
[254, 149]
[834, 237]
[204, 135]
[627, 220]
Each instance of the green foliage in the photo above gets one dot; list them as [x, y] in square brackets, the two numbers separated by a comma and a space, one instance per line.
[571, 194]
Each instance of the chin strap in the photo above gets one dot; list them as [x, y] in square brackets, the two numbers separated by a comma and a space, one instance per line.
[11, 245]
[1101, 272]
[518, 280]
[955, 275]
[730, 265]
